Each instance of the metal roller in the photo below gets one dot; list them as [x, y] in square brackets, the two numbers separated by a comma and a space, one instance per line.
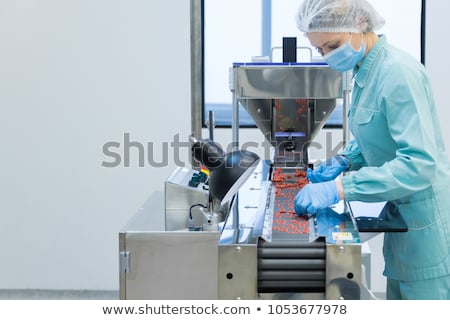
[290, 265]
[301, 242]
[287, 253]
[293, 286]
[291, 274]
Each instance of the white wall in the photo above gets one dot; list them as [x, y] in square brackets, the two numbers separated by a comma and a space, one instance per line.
[74, 75]
[437, 49]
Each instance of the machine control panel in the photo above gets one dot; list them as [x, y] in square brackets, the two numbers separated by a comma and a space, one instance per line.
[184, 188]
[197, 178]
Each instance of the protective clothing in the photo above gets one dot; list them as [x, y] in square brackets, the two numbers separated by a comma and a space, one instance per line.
[345, 58]
[399, 156]
[316, 196]
[430, 289]
[328, 170]
[338, 16]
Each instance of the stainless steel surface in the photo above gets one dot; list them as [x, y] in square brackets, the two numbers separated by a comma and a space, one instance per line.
[124, 261]
[196, 70]
[343, 279]
[238, 272]
[347, 89]
[148, 218]
[171, 265]
[267, 81]
[290, 103]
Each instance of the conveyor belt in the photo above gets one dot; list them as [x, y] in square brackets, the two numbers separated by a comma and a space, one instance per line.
[290, 263]
[288, 182]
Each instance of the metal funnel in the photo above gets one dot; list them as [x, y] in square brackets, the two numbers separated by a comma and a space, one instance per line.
[290, 103]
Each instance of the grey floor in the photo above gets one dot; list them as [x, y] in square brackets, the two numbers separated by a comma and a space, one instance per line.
[77, 295]
[58, 295]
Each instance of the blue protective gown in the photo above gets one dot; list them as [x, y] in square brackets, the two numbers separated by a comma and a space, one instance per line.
[399, 156]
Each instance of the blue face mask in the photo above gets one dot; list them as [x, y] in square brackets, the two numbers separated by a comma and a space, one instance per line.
[345, 57]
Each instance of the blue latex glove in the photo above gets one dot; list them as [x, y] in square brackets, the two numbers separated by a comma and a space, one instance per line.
[315, 196]
[328, 170]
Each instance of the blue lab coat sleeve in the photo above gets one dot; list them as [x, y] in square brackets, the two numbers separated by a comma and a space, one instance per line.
[353, 153]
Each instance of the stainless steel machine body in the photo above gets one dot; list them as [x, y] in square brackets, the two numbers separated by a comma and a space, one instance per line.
[254, 261]
[253, 247]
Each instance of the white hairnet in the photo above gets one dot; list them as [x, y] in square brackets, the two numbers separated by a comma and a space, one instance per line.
[338, 16]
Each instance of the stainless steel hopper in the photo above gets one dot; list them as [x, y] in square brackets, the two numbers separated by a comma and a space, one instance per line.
[289, 102]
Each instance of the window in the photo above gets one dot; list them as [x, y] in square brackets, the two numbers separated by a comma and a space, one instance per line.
[236, 31]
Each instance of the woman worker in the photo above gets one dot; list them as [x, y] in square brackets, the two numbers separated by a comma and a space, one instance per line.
[397, 154]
